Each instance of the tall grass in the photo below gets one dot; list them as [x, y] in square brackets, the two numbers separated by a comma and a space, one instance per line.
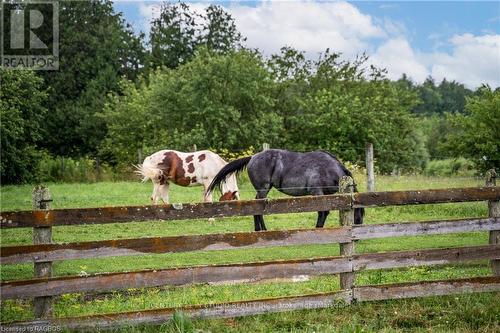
[78, 170]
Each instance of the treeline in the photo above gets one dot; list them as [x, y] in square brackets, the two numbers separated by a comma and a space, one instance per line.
[193, 82]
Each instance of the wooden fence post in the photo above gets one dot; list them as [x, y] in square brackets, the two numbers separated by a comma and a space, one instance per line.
[194, 148]
[139, 156]
[62, 168]
[346, 185]
[42, 235]
[265, 146]
[98, 169]
[493, 211]
[370, 176]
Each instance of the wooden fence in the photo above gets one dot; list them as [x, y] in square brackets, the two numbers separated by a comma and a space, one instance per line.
[44, 287]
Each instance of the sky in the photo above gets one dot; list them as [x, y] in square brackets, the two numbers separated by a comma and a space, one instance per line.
[456, 40]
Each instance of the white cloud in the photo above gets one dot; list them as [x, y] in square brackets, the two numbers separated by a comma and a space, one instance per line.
[399, 58]
[308, 26]
[315, 26]
[473, 60]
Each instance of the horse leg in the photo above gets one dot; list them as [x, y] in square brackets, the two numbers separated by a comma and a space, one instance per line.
[322, 218]
[323, 214]
[258, 220]
[207, 198]
[359, 214]
[155, 197]
[163, 189]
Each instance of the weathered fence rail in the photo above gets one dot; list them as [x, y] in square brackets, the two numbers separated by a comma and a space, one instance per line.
[270, 305]
[44, 287]
[243, 208]
[237, 240]
[244, 272]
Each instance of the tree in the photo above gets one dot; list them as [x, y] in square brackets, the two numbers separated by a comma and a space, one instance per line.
[214, 101]
[22, 113]
[453, 96]
[131, 125]
[173, 35]
[218, 100]
[291, 71]
[447, 97]
[96, 48]
[179, 31]
[430, 97]
[340, 105]
[219, 30]
[435, 129]
[476, 133]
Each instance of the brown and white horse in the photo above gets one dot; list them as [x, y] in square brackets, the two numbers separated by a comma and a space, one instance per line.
[185, 169]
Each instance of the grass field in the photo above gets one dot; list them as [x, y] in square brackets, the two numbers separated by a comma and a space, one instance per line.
[469, 313]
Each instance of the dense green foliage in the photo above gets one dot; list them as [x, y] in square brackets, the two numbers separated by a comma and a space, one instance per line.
[234, 100]
[476, 133]
[339, 106]
[179, 31]
[446, 97]
[449, 167]
[97, 48]
[215, 100]
[22, 110]
[115, 99]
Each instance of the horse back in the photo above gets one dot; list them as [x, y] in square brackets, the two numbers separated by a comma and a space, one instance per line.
[186, 169]
[296, 174]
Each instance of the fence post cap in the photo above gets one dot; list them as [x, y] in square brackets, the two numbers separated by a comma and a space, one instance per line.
[491, 176]
[346, 184]
[41, 197]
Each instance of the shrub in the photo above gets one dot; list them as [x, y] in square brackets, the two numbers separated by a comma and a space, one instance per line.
[450, 167]
[72, 170]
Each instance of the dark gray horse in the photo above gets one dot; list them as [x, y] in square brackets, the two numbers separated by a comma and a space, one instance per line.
[296, 174]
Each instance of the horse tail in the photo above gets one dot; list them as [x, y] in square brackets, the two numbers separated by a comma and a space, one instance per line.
[235, 166]
[147, 171]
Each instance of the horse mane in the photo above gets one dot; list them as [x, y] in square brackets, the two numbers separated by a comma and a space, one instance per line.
[236, 166]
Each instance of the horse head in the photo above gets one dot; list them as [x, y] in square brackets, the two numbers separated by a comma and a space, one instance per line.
[230, 195]
[359, 214]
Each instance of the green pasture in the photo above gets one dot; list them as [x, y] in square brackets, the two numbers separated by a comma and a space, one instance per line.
[469, 313]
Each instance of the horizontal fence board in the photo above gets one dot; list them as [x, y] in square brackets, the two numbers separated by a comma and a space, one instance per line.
[427, 288]
[226, 241]
[372, 231]
[242, 208]
[173, 211]
[415, 197]
[385, 260]
[261, 306]
[137, 246]
[247, 272]
[222, 310]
